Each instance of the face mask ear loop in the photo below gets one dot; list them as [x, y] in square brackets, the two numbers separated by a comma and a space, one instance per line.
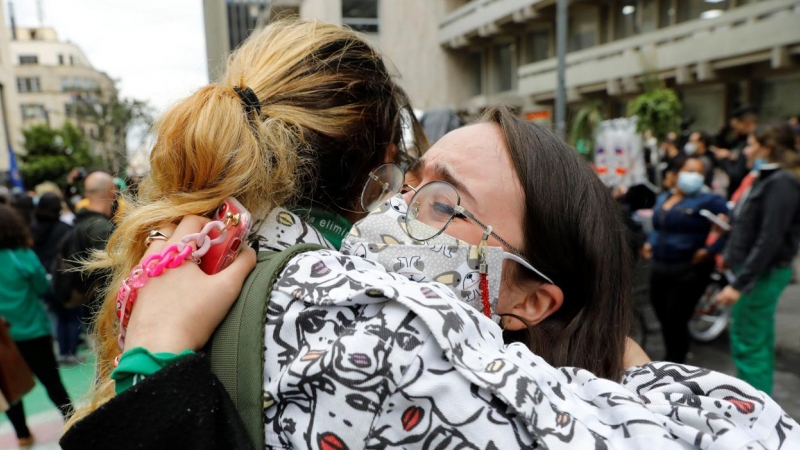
[483, 250]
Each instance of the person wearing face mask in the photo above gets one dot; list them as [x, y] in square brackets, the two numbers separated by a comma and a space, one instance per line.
[682, 262]
[362, 351]
[762, 244]
[697, 146]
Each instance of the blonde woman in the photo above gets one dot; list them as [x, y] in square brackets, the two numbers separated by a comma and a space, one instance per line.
[361, 352]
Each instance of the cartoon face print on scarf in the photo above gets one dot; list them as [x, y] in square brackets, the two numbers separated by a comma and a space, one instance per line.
[381, 237]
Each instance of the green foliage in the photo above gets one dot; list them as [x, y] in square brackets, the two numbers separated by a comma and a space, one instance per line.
[585, 125]
[52, 153]
[114, 118]
[658, 110]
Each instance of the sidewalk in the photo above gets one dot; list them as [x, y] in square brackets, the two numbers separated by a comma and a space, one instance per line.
[44, 420]
[787, 318]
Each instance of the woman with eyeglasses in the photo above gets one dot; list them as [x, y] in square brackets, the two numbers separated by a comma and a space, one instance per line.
[501, 260]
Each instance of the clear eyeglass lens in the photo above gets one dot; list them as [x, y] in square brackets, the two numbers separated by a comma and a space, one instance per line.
[430, 210]
[383, 183]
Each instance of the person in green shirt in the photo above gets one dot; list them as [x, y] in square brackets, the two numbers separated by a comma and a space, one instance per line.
[22, 281]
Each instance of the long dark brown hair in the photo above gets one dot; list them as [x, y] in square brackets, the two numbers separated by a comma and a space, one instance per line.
[781, 139]
[14, 232]
[574, 233]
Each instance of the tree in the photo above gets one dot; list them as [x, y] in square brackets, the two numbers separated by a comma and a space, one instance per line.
[585, 126]
[52, 153]
[113, 120]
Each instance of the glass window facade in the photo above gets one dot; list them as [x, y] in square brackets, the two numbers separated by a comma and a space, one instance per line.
[504, 67]
[537, 45]
[361, 15]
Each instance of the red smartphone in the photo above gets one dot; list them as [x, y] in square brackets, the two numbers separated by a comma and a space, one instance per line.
[237, 222]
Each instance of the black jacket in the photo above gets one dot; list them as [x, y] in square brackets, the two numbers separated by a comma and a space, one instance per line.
[766, 227]
[46, 237]
[185, 406]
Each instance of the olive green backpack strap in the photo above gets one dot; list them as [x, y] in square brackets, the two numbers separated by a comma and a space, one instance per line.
[236, 350]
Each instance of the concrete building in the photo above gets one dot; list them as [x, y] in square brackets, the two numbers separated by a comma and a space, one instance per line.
[716, 54]
[54, 77]
[227, 24]
[10, 129]
[472, 54]
[51, 75]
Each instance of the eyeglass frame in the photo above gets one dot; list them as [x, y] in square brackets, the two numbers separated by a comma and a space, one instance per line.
[458, 211]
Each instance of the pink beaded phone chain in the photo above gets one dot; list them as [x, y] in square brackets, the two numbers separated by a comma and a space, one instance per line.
[154, 265]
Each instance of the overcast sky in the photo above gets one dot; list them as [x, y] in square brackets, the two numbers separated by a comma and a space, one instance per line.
[155, 48]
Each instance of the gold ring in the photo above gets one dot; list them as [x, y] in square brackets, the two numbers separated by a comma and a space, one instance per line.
[155, 235]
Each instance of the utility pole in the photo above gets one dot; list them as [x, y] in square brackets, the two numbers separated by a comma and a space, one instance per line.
[561, 49]
[40, 12]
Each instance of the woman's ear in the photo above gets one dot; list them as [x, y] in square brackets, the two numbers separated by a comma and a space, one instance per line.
[391, 153]
[536, 306]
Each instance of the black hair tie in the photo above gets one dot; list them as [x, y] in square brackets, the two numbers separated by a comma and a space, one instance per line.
[249, 100]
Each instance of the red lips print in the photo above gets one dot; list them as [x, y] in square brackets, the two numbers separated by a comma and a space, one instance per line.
[412, 417]
[744, 406]
[330, 441]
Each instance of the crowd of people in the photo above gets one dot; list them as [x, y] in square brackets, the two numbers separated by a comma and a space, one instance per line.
[747, 178]
[474, 294]
[43, 234]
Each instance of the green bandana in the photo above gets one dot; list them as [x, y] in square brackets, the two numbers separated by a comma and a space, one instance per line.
[331, 226]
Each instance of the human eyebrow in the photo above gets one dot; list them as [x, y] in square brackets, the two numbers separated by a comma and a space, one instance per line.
[416, 166]
[443, 172]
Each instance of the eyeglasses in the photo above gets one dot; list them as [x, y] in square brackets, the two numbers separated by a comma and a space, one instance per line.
[431, 210]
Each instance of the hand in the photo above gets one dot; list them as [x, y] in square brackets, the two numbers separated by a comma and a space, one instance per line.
[699, 256]
[721, 153]
[716, 228]
[634, 355]
[182, 307]
[647, 251]
[728, 296]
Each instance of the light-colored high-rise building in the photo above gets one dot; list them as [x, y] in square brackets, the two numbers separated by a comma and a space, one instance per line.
[54, 77]
[10, 131]
[471, 54]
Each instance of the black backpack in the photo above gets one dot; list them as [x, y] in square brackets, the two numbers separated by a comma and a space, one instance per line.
[67, 284]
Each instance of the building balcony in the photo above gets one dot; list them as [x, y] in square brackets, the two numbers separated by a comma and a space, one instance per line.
[483, 18]
[693, 51]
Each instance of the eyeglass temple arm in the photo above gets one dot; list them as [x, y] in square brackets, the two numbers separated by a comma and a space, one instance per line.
[516, 253]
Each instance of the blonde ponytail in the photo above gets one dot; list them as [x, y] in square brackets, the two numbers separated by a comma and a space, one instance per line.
[324, 95]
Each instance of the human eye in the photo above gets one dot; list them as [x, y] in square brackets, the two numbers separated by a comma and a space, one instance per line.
[442, 210]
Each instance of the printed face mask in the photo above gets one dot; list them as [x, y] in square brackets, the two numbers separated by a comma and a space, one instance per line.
[381, 237]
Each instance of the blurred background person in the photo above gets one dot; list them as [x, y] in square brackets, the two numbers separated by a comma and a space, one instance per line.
[743, 122]
[698, 146]
[762, 244]
[48, 232]
[681, 261]
[22, 281]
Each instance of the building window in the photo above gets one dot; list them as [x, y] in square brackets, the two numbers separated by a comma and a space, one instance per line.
[476, 66]
[701, 9]
[360, 15]
[60, 59]
[583, 28]
[634, 17]
[33, 111]
[28, 84]
[65, 84]
[504, 67]
[71, 60]
[665, 14]
[242, 19]
[28, 59]
[537, 45]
